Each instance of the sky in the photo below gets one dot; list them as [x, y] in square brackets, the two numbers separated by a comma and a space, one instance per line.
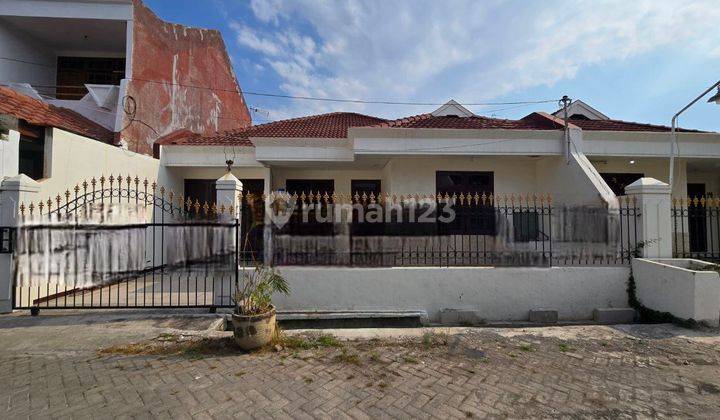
[640, 60]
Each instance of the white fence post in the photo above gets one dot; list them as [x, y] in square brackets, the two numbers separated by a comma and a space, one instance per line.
[13, 192]
[229, 189]
[655, 221]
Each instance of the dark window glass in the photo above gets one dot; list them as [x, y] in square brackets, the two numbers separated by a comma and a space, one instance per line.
[525, 226]
[31, 150]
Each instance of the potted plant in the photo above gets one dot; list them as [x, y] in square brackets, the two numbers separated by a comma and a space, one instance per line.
[254, 315]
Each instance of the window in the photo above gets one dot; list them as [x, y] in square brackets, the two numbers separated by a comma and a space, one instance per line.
[74, 72]
[525, 226]
[469, 219]
[31, 153]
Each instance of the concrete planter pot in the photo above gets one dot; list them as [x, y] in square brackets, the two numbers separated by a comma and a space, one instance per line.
[254, 331]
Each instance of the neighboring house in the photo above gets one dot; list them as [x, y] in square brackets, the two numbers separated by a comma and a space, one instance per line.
[118, 64]
[86, 87]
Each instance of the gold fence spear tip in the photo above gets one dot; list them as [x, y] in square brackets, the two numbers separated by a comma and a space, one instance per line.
[145, 183]
[162, 191]
[77, 188]
[702, 201]
[153, 185]
[22, 208]
[93, 182]
[31, 208]
[102, 179]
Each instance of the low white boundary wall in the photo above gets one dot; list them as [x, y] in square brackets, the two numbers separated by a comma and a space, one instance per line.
[671, 285]
[497, 294]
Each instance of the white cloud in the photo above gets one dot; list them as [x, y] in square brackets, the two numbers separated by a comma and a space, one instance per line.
[467, 50]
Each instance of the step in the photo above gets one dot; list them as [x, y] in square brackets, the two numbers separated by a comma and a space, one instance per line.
[614, 315]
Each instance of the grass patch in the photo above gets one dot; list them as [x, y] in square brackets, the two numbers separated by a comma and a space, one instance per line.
[192, 349]
[349, 358]
[410, 359]
[526, 347]
[375, 357]
[309, 342]
[563, 347]
[430, 340]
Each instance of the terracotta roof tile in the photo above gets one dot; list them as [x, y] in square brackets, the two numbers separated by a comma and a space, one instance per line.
[334, 125]
[531, 122]
[39, 113]
[618, 125]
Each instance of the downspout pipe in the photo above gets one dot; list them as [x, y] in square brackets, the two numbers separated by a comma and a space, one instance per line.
[673, 131]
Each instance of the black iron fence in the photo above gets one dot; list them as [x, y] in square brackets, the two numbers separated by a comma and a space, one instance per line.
[119, 242]
[484, 230]
[696, 228]
[122, 243]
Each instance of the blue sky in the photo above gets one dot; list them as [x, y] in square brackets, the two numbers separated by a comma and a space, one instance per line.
[632, 60]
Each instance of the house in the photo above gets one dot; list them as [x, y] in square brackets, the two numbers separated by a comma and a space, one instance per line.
[134, 107]
[86, 87]
[120, 65]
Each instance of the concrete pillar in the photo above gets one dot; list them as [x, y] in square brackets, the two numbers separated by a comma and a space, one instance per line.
[229, 189]
[655, 221]
[13, 192]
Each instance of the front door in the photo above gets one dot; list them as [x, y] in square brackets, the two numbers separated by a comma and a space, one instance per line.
[479, 220]
[697, 223]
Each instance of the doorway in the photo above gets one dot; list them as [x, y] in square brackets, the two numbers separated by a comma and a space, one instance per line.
[697, 222]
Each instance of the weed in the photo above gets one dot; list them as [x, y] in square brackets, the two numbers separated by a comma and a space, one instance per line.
[526, 347]
[308, 380]
[513, 355]
[375, 357]
[349, 358]
[410, 359]
[563, 347]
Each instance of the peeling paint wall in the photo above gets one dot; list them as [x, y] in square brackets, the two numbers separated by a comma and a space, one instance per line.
[182, 78]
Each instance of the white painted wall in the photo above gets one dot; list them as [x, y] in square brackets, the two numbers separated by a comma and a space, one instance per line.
[674, 286]
[75, 158]
[496, 293]
[38, 63]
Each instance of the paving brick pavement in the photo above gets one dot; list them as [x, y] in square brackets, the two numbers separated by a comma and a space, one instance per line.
[603, 372]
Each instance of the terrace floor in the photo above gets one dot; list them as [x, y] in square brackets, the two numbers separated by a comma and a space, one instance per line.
[140, 364]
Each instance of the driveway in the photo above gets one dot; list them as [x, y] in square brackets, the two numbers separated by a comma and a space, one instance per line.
[141, 364]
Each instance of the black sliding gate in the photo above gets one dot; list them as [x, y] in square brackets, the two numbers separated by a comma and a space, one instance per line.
[126, 243]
